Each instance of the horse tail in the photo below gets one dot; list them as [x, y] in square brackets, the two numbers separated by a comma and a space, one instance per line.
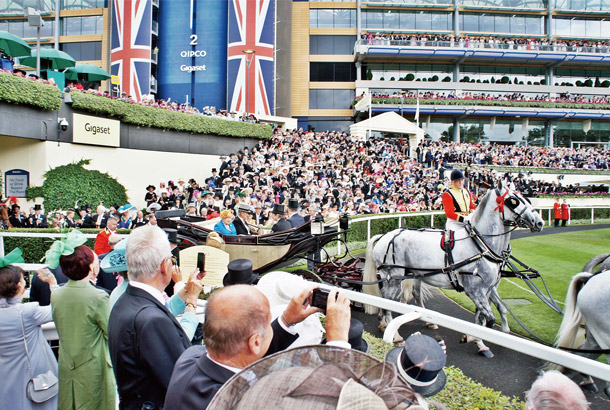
[407, 290]
[594, 261]
[370, 274]
[570, 331]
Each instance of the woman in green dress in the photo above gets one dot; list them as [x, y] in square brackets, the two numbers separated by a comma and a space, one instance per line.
[80, 312]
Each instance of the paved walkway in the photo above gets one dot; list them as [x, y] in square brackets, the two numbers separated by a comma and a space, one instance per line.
[508, 371]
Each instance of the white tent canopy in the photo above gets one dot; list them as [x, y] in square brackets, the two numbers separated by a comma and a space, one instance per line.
[389, 122]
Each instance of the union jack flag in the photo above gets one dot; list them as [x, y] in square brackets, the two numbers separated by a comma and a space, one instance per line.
[250, 74]
[131, 43]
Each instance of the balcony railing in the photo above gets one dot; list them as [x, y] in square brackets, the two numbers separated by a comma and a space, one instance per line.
[485, 45]
[155, 28]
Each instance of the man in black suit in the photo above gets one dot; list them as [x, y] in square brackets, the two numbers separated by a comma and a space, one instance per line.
[145, 339]
[244, 214]
[293, 211]
[38, 220]
[238, 331]
[276, 217]
[16, 219]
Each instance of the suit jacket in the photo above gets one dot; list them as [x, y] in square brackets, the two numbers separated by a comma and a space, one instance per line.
[106, 280]
[38, 221]
[281, 225]
[40, 291]
[240, 227]
[196, 378]
[145, 342]
[296, 220]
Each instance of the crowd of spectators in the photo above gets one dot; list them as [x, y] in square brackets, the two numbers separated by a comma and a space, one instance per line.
[467, 95]
[516, 43]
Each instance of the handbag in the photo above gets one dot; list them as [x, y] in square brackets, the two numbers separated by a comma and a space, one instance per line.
[43, 387]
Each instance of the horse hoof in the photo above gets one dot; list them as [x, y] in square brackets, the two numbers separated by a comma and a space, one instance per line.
[464, 339]
[589, 387]
[382, 328]
[486, 353]
[398, 339]
[432, 326]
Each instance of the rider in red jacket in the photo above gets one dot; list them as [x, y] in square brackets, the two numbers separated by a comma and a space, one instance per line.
[458, 202]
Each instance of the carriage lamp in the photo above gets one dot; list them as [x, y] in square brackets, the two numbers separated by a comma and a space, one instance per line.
[317, 225]
[344, 222]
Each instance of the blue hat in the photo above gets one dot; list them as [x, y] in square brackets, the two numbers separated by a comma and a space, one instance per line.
[116, 261]
[125, 208]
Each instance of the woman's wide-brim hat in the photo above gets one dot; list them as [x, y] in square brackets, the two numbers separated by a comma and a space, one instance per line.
[420, 363]
[116, 261]
[151, 186]
[319, 377]
[153, 207]
[239, 273]
[126, 208]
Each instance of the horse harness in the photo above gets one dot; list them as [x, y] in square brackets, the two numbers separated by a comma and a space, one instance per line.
[451, 267]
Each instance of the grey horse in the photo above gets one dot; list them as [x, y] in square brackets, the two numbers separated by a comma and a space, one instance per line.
[417, 252]
[587, 303]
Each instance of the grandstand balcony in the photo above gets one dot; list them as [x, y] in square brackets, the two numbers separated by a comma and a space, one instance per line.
[551, 55]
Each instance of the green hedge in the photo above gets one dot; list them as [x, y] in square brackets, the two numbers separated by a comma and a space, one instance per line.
[15, 89]
[497, 103]
[144, 116]
[358, 230]
[35, 248]
[537, 170]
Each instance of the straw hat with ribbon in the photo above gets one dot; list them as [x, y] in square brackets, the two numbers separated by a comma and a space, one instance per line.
[64, 247]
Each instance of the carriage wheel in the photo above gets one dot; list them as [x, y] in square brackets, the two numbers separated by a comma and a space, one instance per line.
[309, 275]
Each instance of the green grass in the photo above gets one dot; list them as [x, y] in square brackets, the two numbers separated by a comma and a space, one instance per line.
[558, 257]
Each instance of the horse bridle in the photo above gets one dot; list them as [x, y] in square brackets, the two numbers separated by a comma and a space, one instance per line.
[512, 202]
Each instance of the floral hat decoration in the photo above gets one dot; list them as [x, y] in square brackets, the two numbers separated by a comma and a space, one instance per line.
[64, 247]
[15, 256]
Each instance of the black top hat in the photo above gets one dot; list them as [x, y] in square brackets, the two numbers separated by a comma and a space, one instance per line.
[172, 234]
[278, 209]
[293, 203]
[37, 207]
[214, 170]
[240, 273]
[420, 363]
[151, 186]
[456, 174]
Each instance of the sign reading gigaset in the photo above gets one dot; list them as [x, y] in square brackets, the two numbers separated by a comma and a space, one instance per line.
[96, 131]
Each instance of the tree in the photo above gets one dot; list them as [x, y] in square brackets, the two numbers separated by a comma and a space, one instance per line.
[66, 184]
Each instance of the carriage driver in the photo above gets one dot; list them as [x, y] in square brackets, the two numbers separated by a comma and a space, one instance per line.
[458, 202]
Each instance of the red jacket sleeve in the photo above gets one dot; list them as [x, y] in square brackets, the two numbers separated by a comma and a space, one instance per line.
[450, 208]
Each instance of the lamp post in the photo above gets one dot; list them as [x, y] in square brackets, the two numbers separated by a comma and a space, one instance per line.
[248, 52]
[35, 20]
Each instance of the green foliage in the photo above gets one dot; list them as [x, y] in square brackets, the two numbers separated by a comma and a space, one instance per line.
[66, 184]
[19, 90]
[358, 229]
[460, 392]
[410, 77]
[145, 116]
[35, 248]
[369, 74]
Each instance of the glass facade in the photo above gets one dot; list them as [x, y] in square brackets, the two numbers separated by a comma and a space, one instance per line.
[331, 99]
[502, 23]
[495, 73]
[331, 44]
[332, 18]
[373, 19]
[83, 51]
[581, 27]
[82, 4]
[332, 72]
[573, 76]
[11, 6]
[329, 123]
[22, 29]
[594, 5]
[527, 4]
[73, 26]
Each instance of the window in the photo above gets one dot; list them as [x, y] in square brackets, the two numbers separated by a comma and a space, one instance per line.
[332, 18]
[501, 23]
[331, 99]
[76, 26]
[580, 27]
[84, 51]
[82, 4]
[331, 44]
[332, 72]
[406, 20]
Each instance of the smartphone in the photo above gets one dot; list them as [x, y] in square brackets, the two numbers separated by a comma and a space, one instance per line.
[26, 278]
[319, 298]
[201, 261]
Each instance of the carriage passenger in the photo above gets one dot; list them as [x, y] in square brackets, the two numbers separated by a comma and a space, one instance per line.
[458, 202]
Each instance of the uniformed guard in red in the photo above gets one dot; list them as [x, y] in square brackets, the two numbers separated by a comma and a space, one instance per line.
[557, 212]
[458, 202]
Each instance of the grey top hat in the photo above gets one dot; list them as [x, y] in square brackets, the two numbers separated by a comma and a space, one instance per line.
[240, 273]
[244, 208]
[420, 362]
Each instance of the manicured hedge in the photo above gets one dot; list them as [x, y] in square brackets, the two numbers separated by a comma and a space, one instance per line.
[35, 248]
[145, 116]
[19, 90]
[358, 230]
[497, 103]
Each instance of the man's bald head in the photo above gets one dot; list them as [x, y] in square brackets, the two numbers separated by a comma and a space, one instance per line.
[232, 315]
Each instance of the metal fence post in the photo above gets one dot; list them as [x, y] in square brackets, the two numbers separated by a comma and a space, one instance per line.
[592, 216]
[432, 221]
[368, 230]
[1, 246]
[400, 221]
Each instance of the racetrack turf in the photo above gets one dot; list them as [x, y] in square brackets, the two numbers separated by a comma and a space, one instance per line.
[558, 257]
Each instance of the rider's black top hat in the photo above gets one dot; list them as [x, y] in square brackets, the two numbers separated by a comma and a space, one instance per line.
[420, 363]
[240, 272]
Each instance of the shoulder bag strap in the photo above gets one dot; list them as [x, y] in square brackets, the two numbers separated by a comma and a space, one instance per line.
[27, 354]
